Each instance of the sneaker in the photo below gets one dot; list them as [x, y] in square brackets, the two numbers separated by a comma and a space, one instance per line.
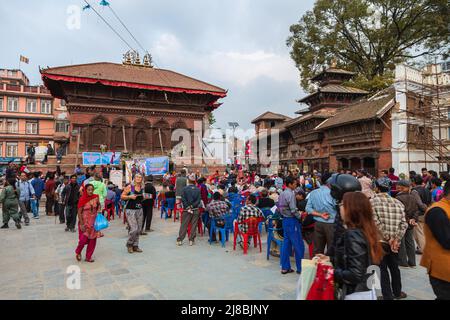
[191, 243]
[5, 226]
[401, 296]
[136, 249]
[179, 243]
[37, 217]
[130, 249]
[18, 226]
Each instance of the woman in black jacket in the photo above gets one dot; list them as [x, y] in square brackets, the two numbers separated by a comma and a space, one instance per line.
[358, 247]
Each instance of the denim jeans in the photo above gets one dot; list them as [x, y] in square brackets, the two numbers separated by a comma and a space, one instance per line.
[34, 207]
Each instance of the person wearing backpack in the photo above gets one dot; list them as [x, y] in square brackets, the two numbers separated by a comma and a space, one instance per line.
[9, 198]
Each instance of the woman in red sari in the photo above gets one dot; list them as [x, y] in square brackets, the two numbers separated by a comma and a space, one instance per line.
[88, 207]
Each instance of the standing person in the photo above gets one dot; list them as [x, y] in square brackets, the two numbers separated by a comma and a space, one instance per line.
[50, 188]
[106, 171]
[31, 152]
[99, 189]
[71, 195]
[394, 179]
[358, 247]
[366, 183]
[180, 183]
[88, 206]
[436, 253]
[389, 215]
[436, 189]
[39, 187]
[133, 194]
[60, 200]
[78, 170]
[407, 253]
[9, 198]
[287, 205]
[148, 203]
[323, 207]
[11, 171]
[426, 177]
[26, 193]
[191, 200]
[423, 199]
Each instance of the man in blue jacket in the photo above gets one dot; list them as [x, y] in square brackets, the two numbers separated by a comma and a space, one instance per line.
[38, 186]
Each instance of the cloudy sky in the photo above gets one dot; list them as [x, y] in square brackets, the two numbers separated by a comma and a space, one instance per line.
[238, 45]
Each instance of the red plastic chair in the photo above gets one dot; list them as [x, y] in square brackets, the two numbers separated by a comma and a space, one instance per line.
[252, 231]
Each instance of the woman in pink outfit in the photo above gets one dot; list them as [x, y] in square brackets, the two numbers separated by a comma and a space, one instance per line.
[88, 207]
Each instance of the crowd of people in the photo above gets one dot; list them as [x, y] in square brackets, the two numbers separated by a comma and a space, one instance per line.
[351, 218]
[384, 221]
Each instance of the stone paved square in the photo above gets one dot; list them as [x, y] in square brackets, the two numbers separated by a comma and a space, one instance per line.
[35, 260]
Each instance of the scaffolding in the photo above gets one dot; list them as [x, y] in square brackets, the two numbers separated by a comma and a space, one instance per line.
[427, 120]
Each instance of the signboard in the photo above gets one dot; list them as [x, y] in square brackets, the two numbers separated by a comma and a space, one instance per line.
[98, 158]
[115, 176]
[147, 166]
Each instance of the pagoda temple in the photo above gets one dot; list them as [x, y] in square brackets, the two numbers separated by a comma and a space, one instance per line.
[303, 144]
[131, 106]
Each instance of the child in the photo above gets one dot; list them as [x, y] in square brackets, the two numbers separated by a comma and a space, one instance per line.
[169, 195]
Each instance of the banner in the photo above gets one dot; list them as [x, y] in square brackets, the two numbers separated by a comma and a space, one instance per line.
[98, 158]
[147, 166]
[115, 176]
[157, 166]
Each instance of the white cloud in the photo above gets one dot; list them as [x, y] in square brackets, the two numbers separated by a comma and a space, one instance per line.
[226, 66]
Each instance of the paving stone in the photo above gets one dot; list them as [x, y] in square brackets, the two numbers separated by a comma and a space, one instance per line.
[36, 268]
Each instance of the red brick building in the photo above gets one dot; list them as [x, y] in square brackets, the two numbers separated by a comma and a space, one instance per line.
[341, 129]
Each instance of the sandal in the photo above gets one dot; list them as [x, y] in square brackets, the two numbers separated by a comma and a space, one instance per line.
[78, 257]
[286, 271]
[90, 260]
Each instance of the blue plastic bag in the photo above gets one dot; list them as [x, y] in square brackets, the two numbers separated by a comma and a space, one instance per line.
[100, 222]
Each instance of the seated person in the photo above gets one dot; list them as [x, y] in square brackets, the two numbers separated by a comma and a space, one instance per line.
[233, 188]
[248, 211]
[217, 208]
[264, 201]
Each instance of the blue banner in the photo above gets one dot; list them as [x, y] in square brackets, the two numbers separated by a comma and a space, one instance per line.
[98, 158]
[8, 159]
[157, 166]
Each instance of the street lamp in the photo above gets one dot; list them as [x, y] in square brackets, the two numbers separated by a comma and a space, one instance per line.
[234, 125]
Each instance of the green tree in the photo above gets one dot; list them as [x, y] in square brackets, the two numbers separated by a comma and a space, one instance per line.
[368, 37]
[211, 119]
